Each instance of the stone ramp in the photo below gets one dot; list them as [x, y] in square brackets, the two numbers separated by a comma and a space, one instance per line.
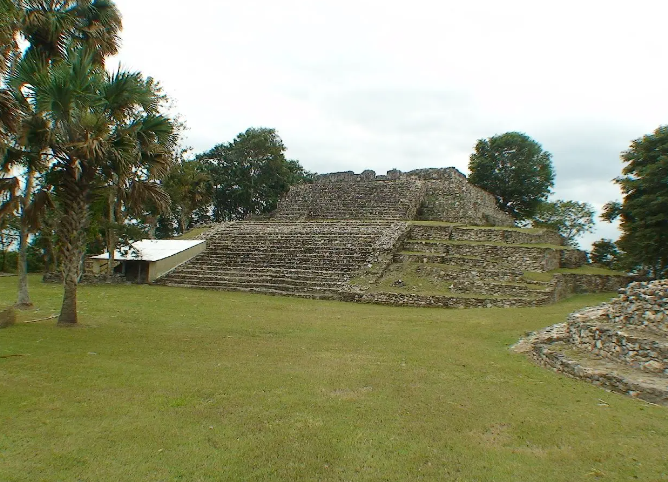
[621, 346]
[301, 258]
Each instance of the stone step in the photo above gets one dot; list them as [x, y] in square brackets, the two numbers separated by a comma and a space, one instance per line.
[245, 270]
[641, 349]
[323, 295]
[284, 284]
[524, 258]
[284, 260]
[499, 289]
[441, 301]
[462, 261]
[454, 232]
[601, 371]
[235, 245]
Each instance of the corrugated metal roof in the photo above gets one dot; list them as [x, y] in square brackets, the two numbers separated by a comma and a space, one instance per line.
[152, 249]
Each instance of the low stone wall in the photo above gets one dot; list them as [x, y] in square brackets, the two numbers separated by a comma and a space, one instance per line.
[547, 357]
[621, 345]
[87, 278]
[493, 235]
[567, 284]
[442, 301]
[519, 257]
[572, 258]
[642, 305]
[646, 354]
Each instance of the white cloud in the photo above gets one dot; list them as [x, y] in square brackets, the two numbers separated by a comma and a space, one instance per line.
[382, 85]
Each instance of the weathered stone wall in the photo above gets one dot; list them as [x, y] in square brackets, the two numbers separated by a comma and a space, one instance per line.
[497, 235]
[355, 199]
[443, 301]
[642, 305]
[630, 335]
[429, 194]
[450, 197]
[523, 258]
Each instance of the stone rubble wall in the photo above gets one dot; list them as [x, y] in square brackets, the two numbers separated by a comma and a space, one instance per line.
[642, 305]
[428, 194]
[629, 331]
[605, 340]
[498, 235]
[521, 257]
[544, 355]
[386, 200]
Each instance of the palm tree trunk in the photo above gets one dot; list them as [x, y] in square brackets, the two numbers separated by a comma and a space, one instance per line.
[72, 227]
[111, 234]
[23, 296]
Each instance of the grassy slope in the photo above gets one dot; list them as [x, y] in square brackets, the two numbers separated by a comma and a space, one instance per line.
[174, 384]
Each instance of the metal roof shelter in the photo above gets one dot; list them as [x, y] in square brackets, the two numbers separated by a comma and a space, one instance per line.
[148, 259]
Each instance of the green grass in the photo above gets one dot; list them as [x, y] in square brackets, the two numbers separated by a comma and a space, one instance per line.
[163, 384]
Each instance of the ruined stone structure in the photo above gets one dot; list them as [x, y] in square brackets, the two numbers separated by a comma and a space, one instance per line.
[425, 194]
[360, 237]
[621, 345]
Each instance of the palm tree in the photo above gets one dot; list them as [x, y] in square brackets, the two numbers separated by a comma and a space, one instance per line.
[9, 12]
[190, 187]
[102, 126]
[51, 27]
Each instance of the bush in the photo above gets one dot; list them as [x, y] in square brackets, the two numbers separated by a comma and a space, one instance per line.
[7, 317]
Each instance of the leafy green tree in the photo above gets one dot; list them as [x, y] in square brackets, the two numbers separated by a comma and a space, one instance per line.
[515, 169]
[570, 219]
[643, 212]
[605, 253]
[250, 174]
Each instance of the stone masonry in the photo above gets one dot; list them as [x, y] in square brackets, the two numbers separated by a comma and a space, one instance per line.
[621, 345]
[346, 235]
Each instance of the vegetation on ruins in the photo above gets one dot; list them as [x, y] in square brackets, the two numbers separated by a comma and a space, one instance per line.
[571, 219]
[515, 169]
[643, 213]
[250, 174]
[160, 386]
[80, 129]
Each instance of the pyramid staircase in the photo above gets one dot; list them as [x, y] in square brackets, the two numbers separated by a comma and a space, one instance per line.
[312, 259]
[621, 345]
[396, 200]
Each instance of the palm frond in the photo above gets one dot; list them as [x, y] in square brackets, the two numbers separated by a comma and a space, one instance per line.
[142, 193]
[37, 209]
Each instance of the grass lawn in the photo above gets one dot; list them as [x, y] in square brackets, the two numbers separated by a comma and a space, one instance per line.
[166, 384]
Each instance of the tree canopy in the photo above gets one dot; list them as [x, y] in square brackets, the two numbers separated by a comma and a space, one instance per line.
[250, 174]
[81, 130]
[643, 213]
[515, 169]
[571, 219]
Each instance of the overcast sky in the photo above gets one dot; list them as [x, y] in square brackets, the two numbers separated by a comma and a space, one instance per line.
[354, 85]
